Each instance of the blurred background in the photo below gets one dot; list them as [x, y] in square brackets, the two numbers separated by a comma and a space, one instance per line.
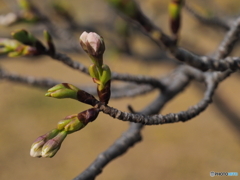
[209, 142]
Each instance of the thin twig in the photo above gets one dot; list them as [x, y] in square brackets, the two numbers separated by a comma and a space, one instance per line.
[203, 63]
[132, 135]
[183, 116]
[121, 145]
[229, 41]
[212, 21]
[115, 76]
[29, 80]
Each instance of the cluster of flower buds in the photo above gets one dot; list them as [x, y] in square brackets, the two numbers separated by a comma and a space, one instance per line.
[48, 144]
[14, 48]
[93, 45]
[27, 38]
[25, 44]
[174, 9]
[66, 90]
[78, 121]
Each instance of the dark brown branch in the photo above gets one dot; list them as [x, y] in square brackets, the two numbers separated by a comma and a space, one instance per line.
[211, 80]
[184, 74]
[116, 91]
[229, 41]
[69, 62]
[115, 76]
[29, 80]
[120, 146]
[203, 63]
[139, 79]
[170, 86]
[224, 49]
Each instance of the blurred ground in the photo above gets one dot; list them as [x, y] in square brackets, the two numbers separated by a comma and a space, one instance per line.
[176, 151]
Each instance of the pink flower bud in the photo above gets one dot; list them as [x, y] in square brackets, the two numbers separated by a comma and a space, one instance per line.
[51, 147]
[70, 124]
[83, 40]
[36, 148]
[93, 44]
[95, 41]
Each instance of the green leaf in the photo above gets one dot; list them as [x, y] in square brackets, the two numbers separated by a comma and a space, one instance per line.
[93, 71]
[24, 37]
[106, 74]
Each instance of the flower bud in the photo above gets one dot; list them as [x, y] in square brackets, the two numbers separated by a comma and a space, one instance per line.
[15, 48]
[70, 124]
[94, 46]
[76, 122]
[24, 37]
[23, 50]
[63, 90]
[8, 45]
[174, 10]
[104, 93]
[48, 144]
[100, 78]
[51, 147]
[66, 90]
[93, 71]
[106, 74]
[36, 148]
[28, 50]
[83, 41]
[88, 115]
[48, 38]
[95, 43]
[28, 39]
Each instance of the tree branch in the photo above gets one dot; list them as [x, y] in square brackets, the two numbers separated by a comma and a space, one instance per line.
[119, 147]
[29, 80]
[229, 41]
[211, 81]
[139, 79]
[203, 63]
[213, 21]
[132, 135]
